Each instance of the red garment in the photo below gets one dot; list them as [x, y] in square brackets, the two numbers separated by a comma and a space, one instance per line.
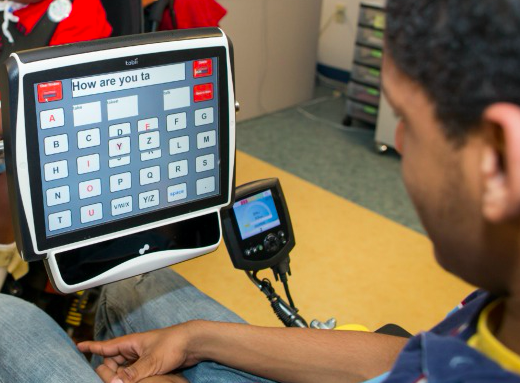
[194, 14]
[87, 21]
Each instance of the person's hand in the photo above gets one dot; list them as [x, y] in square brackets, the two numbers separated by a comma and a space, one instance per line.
[108, 373]
[170, 378]
[132, 358]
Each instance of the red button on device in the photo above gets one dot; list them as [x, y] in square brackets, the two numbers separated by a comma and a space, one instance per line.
[50, 91]
[203, 92]
[202, 68]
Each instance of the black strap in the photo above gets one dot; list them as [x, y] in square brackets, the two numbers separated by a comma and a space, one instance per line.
[125, 16]
[40, 36]
[154, 14]
[172, 14]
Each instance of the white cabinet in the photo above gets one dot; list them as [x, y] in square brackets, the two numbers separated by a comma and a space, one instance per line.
[275, 45]
[364, 89]
[386, 125]
[365, 99]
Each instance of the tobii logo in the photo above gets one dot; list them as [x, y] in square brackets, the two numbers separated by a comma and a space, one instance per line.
[144, 249]
[133, 62]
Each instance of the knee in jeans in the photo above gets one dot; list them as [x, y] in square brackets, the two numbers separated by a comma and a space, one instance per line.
[16, 310]
[133, 291]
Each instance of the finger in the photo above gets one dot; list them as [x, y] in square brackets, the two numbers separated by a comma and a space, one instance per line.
[105, 373]
[170, 378]
[99, 348]
[144, 367]
[178, 378]
[109, 348]
[119, 360]
[112, 363]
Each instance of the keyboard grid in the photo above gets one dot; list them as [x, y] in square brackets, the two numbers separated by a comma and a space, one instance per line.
[117, 154]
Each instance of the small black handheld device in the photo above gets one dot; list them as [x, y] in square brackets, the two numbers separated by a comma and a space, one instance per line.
[112, 144]
[258, 233]
[257, 228]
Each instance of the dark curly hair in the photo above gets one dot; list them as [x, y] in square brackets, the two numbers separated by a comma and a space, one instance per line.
[464, 53]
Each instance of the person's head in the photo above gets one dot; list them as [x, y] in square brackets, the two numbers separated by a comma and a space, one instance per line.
[451, 72]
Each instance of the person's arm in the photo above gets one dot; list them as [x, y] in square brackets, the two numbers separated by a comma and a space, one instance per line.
[298, 355]
[281, 354]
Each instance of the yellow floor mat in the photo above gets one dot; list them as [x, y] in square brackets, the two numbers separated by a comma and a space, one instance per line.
[349, 263]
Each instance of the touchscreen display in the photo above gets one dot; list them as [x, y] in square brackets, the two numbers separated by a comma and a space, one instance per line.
[256, 214]
[120, 144]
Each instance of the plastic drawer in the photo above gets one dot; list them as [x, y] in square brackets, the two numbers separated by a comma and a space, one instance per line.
[367, 75]
[372, 17]
[363, 112]
[369, 56]
[363, 93]
[369, 36]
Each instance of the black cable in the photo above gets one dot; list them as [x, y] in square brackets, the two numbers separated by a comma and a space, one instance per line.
[287, 292]
[284, 311]
[281, 271]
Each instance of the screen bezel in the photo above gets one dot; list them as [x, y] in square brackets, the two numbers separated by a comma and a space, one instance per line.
[117, 65]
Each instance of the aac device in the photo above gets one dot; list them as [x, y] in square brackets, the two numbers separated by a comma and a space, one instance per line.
[119, 152]
[259, 235]
[257, 228]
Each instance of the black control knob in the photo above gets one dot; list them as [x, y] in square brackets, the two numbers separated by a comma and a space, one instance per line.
[271, 243]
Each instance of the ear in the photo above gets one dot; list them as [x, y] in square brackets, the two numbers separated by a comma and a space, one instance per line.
[501, 162]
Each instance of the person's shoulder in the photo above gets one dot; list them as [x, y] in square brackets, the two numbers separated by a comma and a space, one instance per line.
[475, 296]
[29, 15]
[86, 11]
[94, 6]
[442, 358]
[87, 21]
[463, 318]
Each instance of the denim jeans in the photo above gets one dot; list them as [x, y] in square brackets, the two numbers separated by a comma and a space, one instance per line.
[33, 348]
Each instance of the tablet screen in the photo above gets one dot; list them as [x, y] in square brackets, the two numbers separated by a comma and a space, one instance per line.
[119, 145]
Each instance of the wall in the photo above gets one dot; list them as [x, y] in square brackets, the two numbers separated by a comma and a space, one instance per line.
[275, 45]
[337, 40]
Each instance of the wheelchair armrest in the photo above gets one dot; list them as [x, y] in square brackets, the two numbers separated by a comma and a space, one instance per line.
[395, 330]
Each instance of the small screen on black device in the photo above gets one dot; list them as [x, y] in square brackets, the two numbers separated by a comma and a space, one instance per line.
[256, 214]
